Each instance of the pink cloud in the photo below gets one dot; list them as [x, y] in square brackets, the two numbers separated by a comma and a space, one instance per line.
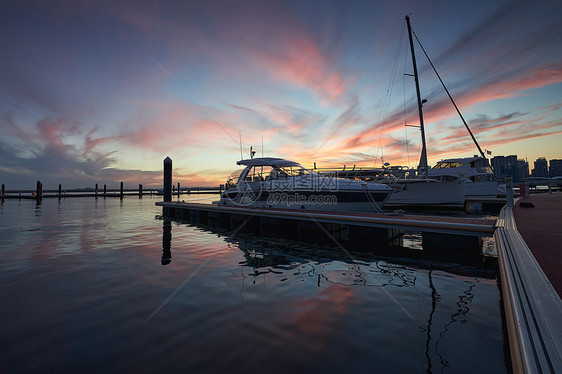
[300, 61]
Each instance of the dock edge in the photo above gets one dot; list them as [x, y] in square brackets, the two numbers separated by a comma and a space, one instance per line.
[532, 306]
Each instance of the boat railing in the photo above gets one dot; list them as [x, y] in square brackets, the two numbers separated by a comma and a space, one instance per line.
[389, 175]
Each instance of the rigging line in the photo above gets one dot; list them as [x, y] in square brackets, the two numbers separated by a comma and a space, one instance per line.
[406, 116]
[346, 121]
[405, 109]
[384, 112]
[407, 148]
[450, 97]
[182, 87]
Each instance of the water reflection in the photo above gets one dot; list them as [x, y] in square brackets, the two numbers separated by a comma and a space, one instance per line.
[326, 267]
[166, 242]
[264, 252]
[90, 274]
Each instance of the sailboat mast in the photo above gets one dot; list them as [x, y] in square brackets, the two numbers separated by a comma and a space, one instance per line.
[423, 157]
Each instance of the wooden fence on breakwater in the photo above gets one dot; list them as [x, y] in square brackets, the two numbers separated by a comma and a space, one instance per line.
[39, 193]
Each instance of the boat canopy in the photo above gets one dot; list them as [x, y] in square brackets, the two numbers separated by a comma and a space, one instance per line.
[268, 161]
[462, 160]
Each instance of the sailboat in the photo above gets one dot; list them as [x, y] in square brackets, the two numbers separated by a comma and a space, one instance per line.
[425, 190]
[474, 171]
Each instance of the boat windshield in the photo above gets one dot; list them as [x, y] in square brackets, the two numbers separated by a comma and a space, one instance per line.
[288, 171]
[232, 180]
[447, 165]
[264, 173]
[257, 173]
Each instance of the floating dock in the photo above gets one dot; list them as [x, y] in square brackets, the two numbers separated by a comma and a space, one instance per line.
[343, 226]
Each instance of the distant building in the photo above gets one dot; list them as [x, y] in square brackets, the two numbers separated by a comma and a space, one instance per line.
[522, 169]
[506, 166]
[555, 169]
[541, 168]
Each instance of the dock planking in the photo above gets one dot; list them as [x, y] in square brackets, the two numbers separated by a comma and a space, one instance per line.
[541, 229]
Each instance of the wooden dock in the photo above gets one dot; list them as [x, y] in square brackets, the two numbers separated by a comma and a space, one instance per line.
[437, 224]
[460, 234]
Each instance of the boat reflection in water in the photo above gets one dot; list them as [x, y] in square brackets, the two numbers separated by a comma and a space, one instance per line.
[324, 301]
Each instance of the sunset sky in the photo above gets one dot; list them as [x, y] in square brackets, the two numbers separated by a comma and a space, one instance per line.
[102, 91]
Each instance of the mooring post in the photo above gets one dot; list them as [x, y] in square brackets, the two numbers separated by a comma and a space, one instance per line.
[121, 191]
[104, 190]
[39, 191]
[140, 190]
[178, 190]
[167, 179]
[96, 191]
[3, 191]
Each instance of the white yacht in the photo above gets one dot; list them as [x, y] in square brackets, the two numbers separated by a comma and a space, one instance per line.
[475, 171]
[428, 193]
[409, 192]
[278, 183]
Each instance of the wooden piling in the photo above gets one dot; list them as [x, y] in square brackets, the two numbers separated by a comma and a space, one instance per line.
[167, 179]
[121, 191]
[104, 190]
[96, 191]
[3, 191]
[140, 190]
[178, 190]
[39, 191]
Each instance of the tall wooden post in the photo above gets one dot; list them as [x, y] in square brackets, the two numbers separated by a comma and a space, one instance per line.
[104, 190]
[140, 190]
[39, 191]
[178, 190]
[167, 179]
[3, 191]
[96, 191]
[121, 191]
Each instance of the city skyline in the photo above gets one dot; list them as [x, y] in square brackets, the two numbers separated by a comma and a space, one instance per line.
[102, 92]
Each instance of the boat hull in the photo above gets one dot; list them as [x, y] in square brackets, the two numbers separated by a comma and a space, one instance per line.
[481, 189]
[349, 201]
[428, 193]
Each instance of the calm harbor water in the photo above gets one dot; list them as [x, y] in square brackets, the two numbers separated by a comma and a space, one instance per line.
[83, 288]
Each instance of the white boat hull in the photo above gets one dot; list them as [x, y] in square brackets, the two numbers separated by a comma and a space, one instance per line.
[481, 189]
[428, 193]
[341, 200]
